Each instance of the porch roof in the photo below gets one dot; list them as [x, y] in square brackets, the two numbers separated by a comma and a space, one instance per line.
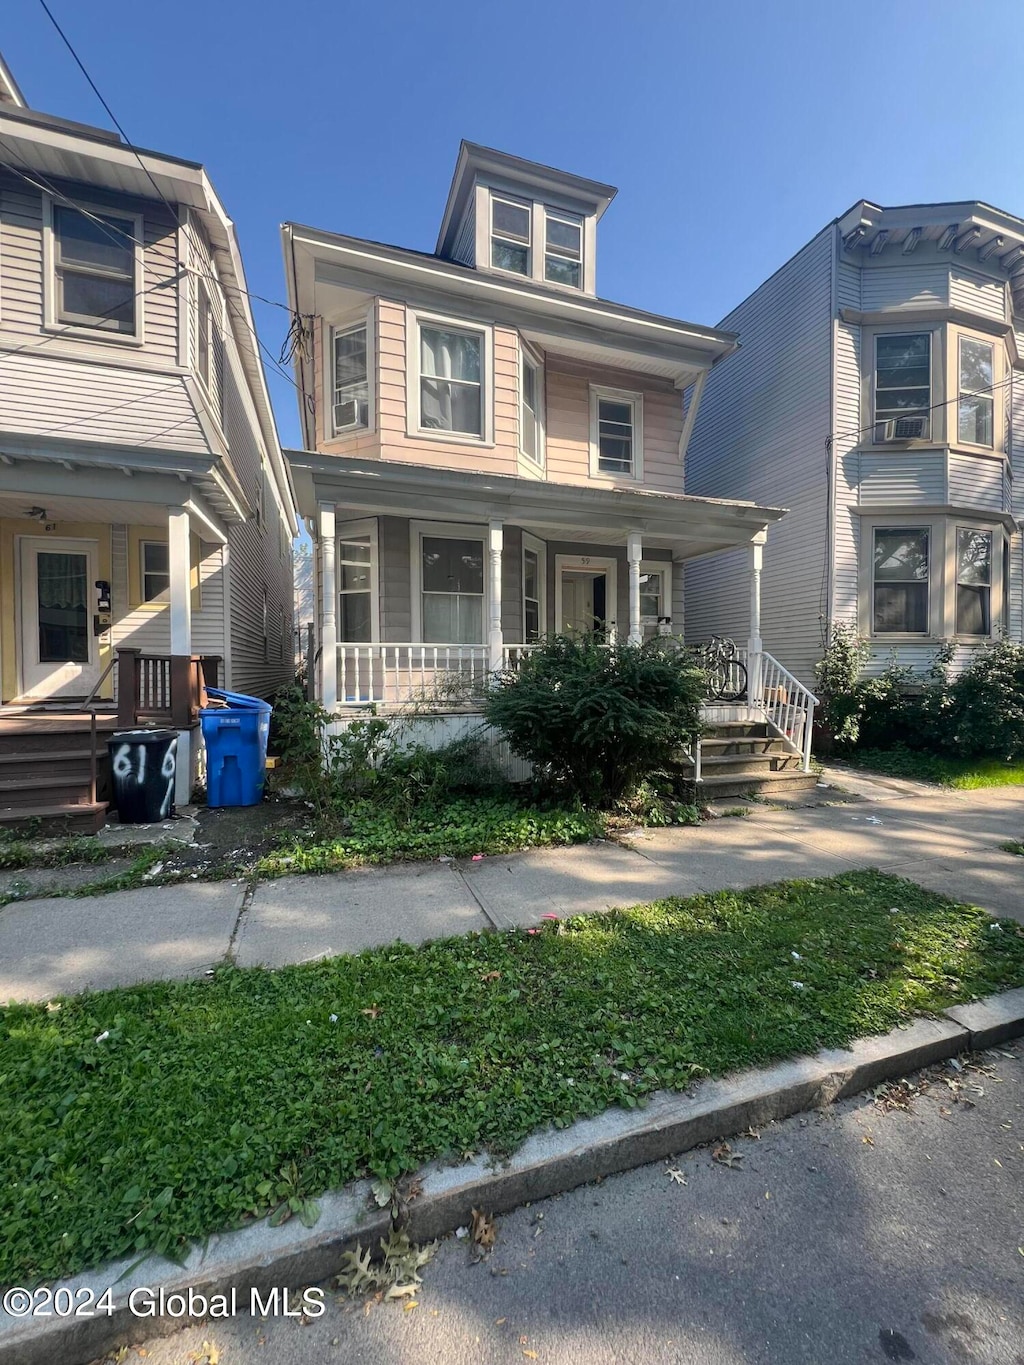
[686, 525]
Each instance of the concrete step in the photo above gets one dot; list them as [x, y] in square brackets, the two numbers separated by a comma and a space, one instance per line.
[740, 729]
[742, 744]
[54, 820]
[784, 784]
[753, 765]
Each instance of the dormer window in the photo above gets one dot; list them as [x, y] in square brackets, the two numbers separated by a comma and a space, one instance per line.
[510, 235]
[563, 249]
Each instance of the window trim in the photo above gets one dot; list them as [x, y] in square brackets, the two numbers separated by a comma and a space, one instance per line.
[364, 318]
[542, 204]
[144, 545]
[529, 357]
[444, 530]
[935, 412]
[997, 444]
[932, 582]
[137, 537]
[540, 549]
[416, 320]
[636, 399]
[51, 322]
[355, 530]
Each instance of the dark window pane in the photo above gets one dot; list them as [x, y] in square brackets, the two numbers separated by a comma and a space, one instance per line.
[975, 365]
[564, 236]
[901, 555]
[901, 608]
[560, 271]
[975, 424]
[973, 610]
[453, 565]
[62, 590]
[530, 573]
[350, 357]
[354, 625]
[104, 245]
[973, 556]
[448, 406]
[532, 621]
[512, 220]
[97, 301]
[508, 256]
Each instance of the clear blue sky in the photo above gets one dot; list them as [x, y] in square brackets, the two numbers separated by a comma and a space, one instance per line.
[734, 131]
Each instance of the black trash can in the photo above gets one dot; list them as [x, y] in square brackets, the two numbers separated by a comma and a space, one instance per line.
[142, 766]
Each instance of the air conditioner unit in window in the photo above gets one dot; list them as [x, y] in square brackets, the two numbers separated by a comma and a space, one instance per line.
[903, 429]
[346, 414]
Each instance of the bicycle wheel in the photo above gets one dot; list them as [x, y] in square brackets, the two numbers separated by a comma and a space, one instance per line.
[734, 687]
[717, 675]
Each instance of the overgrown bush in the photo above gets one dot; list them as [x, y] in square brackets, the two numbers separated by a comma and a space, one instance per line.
[596, 720]
[987, 703]
[837, 682]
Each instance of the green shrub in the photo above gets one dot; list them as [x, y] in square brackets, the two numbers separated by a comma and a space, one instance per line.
[594, 719]
[986, 703]
[837, 682]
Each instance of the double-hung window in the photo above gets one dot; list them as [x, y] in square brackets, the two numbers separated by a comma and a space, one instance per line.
[973, 581]
[903, 386]
[531, 441]
[94, 265]
[533, 589]
[900, 580]
[616, 433]
[653, 608]
[351, 380]
[355, 590]
[511, 224]
[452, 578]
[563, 248]
[204, 329]
[452, 365]
[976, 370]
[156, 575]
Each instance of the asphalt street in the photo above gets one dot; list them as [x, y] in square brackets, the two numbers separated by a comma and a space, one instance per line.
[887, 1228]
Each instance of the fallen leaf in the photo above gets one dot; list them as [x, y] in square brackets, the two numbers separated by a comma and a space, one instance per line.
[498, 1322]
[483, 1230]
[868, 1139]
[725, 1156]
[676, 1175]
[491, 976]
[413, 1303]
[530, 1355]
[372, 1012]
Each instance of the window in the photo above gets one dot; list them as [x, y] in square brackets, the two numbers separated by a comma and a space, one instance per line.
[453, 590]
[903, 391]
[451, 380]
[203, 329]
[355, 607]
[563, 248]
[510, 235]
[616, 425]
[530, 423]
[653, 595]
[976, 398]
[94, 270]
[900, 585]
[156, 575]
[351, 380]
[532, 590]
[973, 581]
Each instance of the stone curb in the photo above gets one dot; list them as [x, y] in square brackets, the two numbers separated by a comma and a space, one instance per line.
[263, 1258]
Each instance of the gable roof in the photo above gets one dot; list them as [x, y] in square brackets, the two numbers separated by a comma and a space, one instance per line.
[10, 92]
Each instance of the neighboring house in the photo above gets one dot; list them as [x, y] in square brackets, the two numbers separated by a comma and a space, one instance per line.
[144, 501]
[494, 453]
[878, 394]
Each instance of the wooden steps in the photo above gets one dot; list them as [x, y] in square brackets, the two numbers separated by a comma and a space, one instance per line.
[746, 758]
[46, 772]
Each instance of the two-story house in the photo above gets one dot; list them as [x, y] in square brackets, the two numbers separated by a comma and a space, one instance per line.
[879, 394]
[494, 452]
[144, 501]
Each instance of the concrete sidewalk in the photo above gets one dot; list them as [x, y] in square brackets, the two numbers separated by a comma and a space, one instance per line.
[948, 842]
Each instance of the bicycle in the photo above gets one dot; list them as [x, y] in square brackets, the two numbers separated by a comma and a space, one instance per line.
[726, 674]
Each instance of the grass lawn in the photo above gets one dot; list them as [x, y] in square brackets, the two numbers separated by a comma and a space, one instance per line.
[143, 1117]
[965, 774]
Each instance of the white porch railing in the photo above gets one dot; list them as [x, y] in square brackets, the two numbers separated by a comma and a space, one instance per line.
[511, 654]
[787, 705]
[402, 673]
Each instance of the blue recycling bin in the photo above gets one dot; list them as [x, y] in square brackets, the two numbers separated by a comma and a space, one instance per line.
[235, 736]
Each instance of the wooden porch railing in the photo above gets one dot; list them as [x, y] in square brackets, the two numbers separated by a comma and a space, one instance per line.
[163, 689]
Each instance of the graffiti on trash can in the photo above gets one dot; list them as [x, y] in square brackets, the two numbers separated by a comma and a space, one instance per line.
[129, 763]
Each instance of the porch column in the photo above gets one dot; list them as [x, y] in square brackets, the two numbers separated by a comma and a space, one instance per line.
[634, 554]
[328, 608]
[179, 594]
[495, 639]
[754, 643]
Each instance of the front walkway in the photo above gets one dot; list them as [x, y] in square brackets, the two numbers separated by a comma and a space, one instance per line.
[948, 842]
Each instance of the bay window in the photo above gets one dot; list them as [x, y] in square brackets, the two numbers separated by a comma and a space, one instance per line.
[902, 388]
[973, 581]
[530, 440]
[95, 269]
[452, 589]
[900, 581]
[351, 379]
[451, 381]
[976, 374]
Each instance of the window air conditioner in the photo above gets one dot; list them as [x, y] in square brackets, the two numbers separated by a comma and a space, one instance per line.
[903, 429]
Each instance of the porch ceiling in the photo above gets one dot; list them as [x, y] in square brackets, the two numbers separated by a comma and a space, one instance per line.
[98, 511]
[688, 526]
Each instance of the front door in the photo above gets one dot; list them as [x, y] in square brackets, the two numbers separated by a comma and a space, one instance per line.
[59, 654]
[584, 603]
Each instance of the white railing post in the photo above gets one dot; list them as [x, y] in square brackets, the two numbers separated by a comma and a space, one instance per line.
[698, 774]
[754, 644]
[808, 737]
[495, 541]
[328, 609]
[634, 554]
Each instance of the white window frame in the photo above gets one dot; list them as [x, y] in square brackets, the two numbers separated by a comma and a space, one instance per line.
[492, 233]
[663, 568]
[356, 530]
[160, 596]
[51, 323]
[577, 220]
[488, 191]
[636, 399]
[993, 395]
[352, 323]
[444, 530]
[540, 549]
[932, 410]
[415, 321]
[528, 357]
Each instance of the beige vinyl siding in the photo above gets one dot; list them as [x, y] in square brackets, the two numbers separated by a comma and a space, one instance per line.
[918, 477]
[365, 444]
[911, 284]
[761, 434]
[975, 481]
[978, 294]
[568, 385]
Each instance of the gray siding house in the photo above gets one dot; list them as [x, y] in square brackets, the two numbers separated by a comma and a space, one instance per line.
[878, 393]
[146, 511]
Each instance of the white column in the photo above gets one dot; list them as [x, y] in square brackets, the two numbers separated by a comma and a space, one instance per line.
[179, 593]
[754, 643]
[328, 608]
[495, 639]
[634, 554]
